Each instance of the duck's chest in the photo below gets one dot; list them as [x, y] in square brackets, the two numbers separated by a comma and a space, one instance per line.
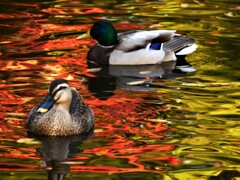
[99, 54]
[56, 122]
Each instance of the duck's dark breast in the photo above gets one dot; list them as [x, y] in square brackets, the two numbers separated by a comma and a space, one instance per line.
[99, 55]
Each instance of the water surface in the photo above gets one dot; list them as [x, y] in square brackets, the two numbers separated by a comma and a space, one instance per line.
[185, 126]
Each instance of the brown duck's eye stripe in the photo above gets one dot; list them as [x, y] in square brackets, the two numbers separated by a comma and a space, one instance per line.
[59, 89]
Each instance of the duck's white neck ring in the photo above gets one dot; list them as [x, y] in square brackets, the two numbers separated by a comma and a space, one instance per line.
[106, 47]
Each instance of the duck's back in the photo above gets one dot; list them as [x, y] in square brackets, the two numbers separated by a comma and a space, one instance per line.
[138, 39]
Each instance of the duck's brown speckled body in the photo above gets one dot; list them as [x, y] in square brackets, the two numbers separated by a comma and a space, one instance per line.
[61, 113]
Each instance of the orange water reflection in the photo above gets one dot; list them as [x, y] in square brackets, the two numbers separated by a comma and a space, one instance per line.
[155, 130]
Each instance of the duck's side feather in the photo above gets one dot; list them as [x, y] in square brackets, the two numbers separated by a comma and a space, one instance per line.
[138, 57]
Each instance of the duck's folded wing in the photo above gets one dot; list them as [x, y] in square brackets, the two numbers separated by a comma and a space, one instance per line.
[80, 111]
[77, 107]
[132, 40]
[180, 44]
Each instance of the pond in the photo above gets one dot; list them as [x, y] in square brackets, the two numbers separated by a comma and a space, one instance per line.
[183, 126]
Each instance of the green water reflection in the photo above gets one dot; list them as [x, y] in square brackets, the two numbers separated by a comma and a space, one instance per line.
[186, 129]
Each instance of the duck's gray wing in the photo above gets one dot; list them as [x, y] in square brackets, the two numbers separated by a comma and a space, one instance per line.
[177, 43]
[81, 113]
[33, 115]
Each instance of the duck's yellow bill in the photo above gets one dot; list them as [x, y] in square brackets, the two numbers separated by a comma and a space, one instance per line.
[84, 36]
[42, 110]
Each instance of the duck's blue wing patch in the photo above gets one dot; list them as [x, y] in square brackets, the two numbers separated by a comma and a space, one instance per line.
[155, 46]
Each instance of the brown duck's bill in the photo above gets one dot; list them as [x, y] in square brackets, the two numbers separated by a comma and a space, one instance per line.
[84, 36]
[47, 104]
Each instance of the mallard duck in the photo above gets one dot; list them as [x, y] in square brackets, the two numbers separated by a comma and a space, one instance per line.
[137, 47]
[62, 112]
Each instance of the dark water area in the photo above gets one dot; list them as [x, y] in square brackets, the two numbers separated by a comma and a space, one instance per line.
[177, 126]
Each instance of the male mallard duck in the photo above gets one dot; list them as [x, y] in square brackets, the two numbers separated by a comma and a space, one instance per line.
[137, 47]
[62, 112]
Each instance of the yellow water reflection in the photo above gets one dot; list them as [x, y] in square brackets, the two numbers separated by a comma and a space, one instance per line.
[184, 127]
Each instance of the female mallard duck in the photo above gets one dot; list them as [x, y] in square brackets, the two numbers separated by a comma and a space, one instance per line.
[137, 47]
[61, 113]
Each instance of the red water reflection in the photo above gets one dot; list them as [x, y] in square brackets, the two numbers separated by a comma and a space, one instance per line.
[41, 51]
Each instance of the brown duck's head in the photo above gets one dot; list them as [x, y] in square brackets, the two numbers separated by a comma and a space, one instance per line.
[59, 94]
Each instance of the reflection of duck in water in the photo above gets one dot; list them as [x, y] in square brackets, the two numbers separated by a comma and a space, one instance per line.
[61, 113]
[57, 149]
[138, 47]
[142, 77]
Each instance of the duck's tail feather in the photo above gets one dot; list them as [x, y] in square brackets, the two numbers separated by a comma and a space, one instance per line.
[181, 46]
[187, 50]
[182, 65]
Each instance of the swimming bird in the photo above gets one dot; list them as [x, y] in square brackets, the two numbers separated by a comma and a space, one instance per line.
[137, 47]
[62, 112]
